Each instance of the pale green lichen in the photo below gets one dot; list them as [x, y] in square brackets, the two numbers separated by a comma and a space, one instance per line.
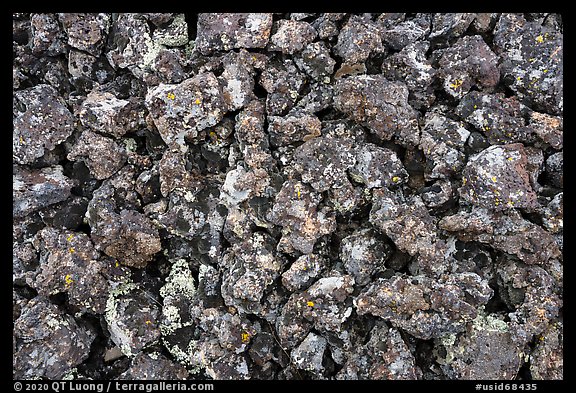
[180, 281]
[112, 317]
[130, 145]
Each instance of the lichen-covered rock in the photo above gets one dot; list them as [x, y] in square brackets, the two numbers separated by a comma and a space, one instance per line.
[358, 39]
[446, 26]
[237, 80]
[509, 233]
[181, 110]
[40, 121]
[399, 35]
[378, 167]
[86, 32]
[532, 64]
[303, 223]
[48, 342]
[442, 141]
[326, 305]
[154, 366]
[303, 272]
[103, 112]
[70, 264]
[439, 195]
[34, 189]
[133, 318]
[363, 254]
[47, 35]
[547, 360]
[497, 178]
[282, 81]
[132, 46]
[309, 354]
[323, 162]
[409, 225]
[555, 169]
[466, 64]
[379, 104]
[248, 270]
[82, 65]
[412, 67]
[553, 214]
[292, 128]
[315, 60]
[499, 118]
[178, 292]
[548, 128]
[534, 295]
[102, 155]
[217, 32]
[129, 236]
[291, 36]
[424, 307]
[384, 356]
[487, 350]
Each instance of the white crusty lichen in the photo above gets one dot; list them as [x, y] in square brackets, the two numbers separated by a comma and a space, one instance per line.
[112, 317]
[179, 283]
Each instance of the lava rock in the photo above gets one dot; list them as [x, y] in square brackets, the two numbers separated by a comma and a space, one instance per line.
[154, 366]
[103, 112]
[497, 178]
[49, 340]
[132, 317]
[217, 32]
[384, 356]
[291, 36]
[358, 39]
[86, 32]
[184, 109]
[38, 188]
[379, 104]
[424, 307]
[532, 65]
[102, 155]
[40, 120]
[363, 255]
[468, 63]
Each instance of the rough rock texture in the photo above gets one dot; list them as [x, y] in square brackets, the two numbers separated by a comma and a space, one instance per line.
[182, 110]
[48, 342]
[218, 32]
[287, 196]
[40, 121]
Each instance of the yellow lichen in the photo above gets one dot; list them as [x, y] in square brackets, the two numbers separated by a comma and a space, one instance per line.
[395, 179]
[148, 322]
[494, 179]
[310, 303]
[540, 39]
[71, 250]
[171, 96]
[68, 280]
[457, 83]
[70, 237]
[198, 101]
[510, 159]
[116, 264]
[245, 337]
[298, 192]
[22, 141]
